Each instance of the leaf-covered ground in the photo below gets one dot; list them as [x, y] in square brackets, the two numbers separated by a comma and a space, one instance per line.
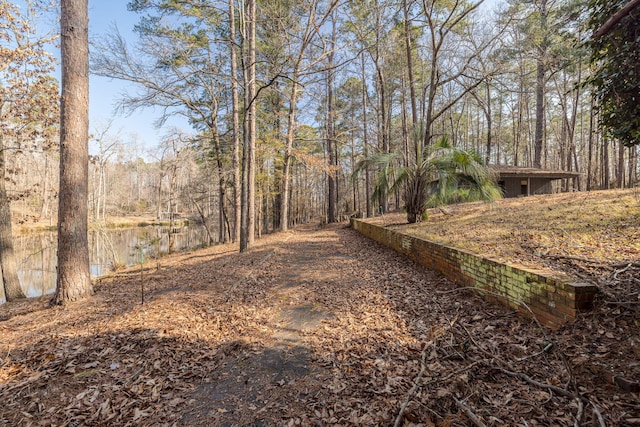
[317, 326]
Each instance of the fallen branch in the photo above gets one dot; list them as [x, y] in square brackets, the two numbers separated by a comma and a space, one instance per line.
[626, 264]
[598, 415]
[527, 378]
[482, 292]
[482, 350]
[416, 385]
[451, 375]
[622, 303]
[469, 413]
[622, 270]
[544, 350]
[416, 381]
[414, 390]
[580, 412]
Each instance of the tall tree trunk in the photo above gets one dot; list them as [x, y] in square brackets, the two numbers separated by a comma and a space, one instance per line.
[9, 283]
[407, 43]
[44, 210]
[572, 130]
[428, 119]
[235, 105]
[306, 38]
[539, 130]
[576, 181]
[159, 192]
[354, 187]
[251, 193]
[405, 128]
[633, 159]
[620, 168]
[286, 162]
[489, 113]
[590, 146]
[331, 179]
[73, 279]
[104, 193]
[265, 206]
[331, 141]
[518, 130]
[540, 89]
[170, 208]
[383, 142]
[222, 184]
[247, 236]
[365, 139]
[382, 127]
[498, 141]
[606, 179]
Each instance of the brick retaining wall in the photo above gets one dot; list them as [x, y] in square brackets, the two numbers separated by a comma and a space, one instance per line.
[552, 297]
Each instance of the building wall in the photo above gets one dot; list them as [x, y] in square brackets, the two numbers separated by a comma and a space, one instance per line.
[540, 186]
[517, 187]
[552, 298]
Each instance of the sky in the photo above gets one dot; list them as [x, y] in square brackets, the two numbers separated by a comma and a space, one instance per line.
[104, 93]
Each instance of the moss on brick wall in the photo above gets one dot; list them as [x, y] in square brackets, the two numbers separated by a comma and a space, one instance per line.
[553, 298]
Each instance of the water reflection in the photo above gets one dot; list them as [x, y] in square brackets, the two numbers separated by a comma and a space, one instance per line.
[37, 252]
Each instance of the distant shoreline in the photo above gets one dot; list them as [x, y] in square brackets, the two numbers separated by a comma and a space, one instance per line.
[110, 223]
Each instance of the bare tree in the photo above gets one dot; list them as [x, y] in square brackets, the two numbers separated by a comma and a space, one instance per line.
[448, 62]
[106, 145]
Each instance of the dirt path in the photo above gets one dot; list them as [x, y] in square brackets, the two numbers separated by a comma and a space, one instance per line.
[267, 372]
[317, 326]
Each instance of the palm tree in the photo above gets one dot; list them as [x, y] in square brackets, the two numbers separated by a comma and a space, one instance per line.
[441, 174]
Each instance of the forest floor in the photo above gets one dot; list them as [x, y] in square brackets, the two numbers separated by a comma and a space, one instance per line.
[320, 326]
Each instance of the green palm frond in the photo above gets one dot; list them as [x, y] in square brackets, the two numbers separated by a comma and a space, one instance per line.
[441, 174]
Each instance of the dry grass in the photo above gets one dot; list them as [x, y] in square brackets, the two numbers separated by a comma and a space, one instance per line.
[600, 226]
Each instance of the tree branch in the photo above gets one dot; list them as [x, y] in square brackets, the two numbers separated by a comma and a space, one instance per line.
[469, 413]
[615, 18]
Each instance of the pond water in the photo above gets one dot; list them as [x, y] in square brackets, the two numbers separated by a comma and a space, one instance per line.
[37, 259]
